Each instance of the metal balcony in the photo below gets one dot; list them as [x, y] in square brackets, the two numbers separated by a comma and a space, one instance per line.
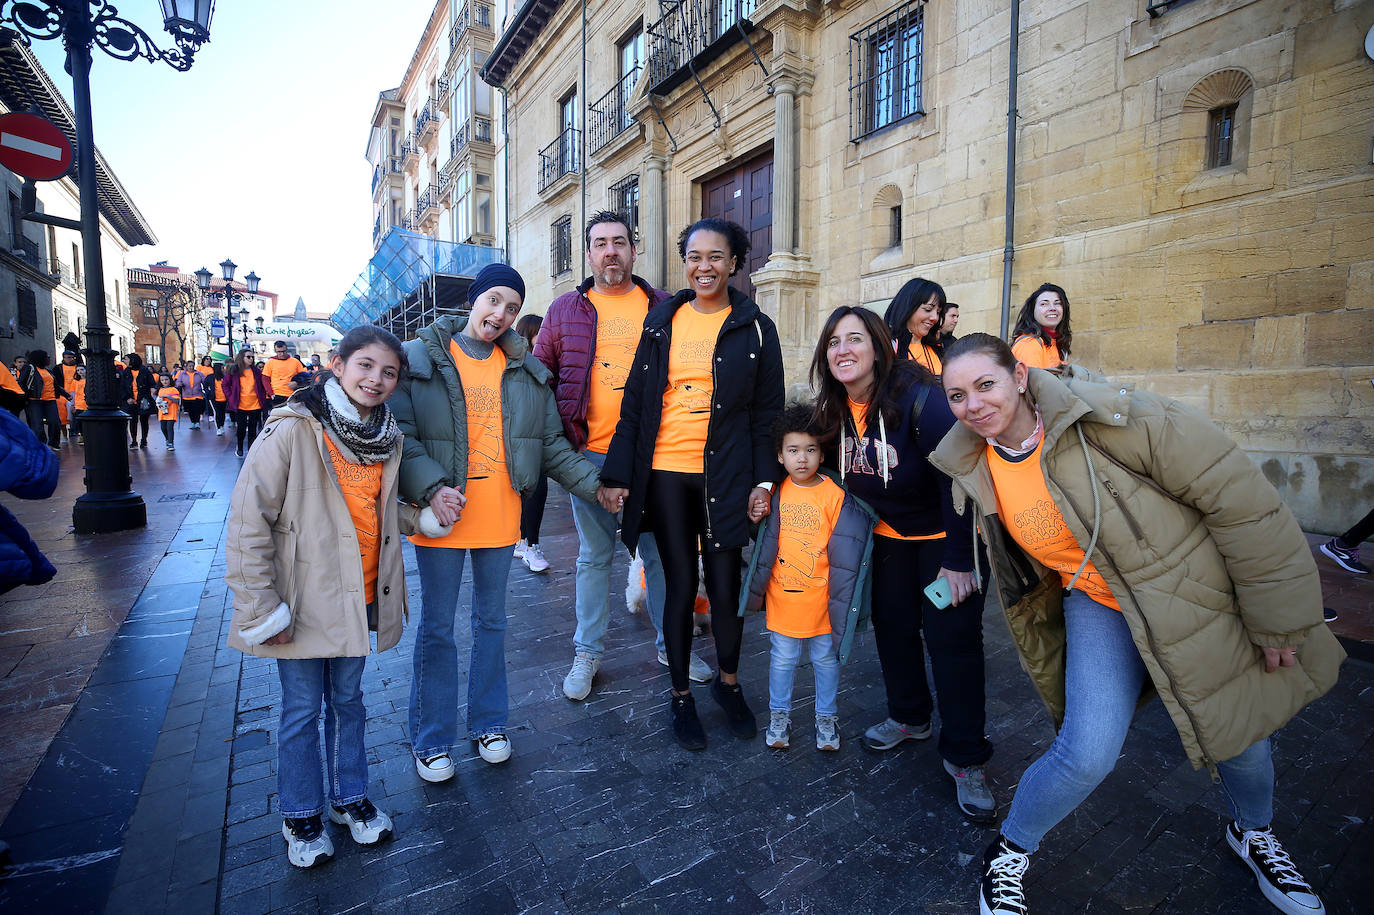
[409, 150]
[481, 130]
[427, 122]
[693, 31]
[460, 140]
[427, 207]
[608, 115]
[559, 158]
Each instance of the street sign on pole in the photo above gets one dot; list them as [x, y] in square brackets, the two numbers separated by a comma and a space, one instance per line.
[33, 147]
[217, 328]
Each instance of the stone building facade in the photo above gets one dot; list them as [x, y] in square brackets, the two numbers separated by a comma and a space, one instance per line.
[1196, 174]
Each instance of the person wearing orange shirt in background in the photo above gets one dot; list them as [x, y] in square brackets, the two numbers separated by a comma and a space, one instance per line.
[188, 382]
[1042, 338]
[11, 394]
[136, 385]
[168, 407]
[78, 392]
[65, 373]
[43, 389]
[212, 388]
[247, 393]
[914, 318]
[280, 370]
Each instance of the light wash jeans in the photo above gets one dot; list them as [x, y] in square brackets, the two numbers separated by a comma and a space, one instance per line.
[304, 683]
[1103, 681]
[595, 548]
[434, 683]
[782, 666]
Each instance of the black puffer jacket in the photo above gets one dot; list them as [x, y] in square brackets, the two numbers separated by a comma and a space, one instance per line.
[739, 452]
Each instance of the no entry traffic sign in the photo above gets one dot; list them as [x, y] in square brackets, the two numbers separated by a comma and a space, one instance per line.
[33, 147]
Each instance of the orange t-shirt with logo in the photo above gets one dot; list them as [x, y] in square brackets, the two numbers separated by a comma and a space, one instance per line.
[68, 376]
[1037, 355]
[492, 514]
[619, 321]
[361, 485]
[279, 373]
[882, 528]
[1035, 522]
[925, 356]
[248, 391]
[798, 594]
[170, 403]
[681, 443]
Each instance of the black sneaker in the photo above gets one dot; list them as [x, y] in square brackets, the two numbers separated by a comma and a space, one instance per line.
[307, 844]
[1345, 557]
[686, 724]
[1004, 867]
[1277, 876]
[731, 698]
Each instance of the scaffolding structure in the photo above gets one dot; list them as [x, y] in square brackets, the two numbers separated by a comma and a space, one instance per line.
[411, 280]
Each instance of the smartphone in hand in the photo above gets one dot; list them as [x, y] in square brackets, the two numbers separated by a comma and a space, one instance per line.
[939, 594]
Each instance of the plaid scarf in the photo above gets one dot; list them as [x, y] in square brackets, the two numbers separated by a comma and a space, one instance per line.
[362, 442]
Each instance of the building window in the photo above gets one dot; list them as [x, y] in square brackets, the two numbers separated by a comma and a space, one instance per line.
[624, 196]
[894, 226]
[1221, 130]
[885, 61]
[27, 301]
[561, 246]
[149, 309]
[76, 264]
[152, 355]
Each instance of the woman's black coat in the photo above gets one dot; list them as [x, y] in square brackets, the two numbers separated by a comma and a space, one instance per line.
[748, 396]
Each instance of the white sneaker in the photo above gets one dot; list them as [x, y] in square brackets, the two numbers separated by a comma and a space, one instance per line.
[494, 748]
[219, 431]
[436, 768]
[534, 558]
[307, 844]
[827, 733]
[779, 730]
[365, 822]
[577, 685]
[698, 671]
[520, 548]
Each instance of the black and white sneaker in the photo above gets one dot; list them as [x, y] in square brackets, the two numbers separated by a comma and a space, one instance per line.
[367, 824]
[307, 844]
[1275, 872]
[1004, 867]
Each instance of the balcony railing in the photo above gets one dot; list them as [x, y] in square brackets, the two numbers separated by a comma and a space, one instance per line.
[687, 29]
[64, 273]
[609, 114]
[409, 149]
[442, 84]
[428, 203]
[427, 121]
[559, 158]
[408, 221]
[460, 28]
[394, 164]
[460, 140]
[481, 130]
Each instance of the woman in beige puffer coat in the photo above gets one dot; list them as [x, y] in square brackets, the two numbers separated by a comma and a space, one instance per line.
[1135, 547]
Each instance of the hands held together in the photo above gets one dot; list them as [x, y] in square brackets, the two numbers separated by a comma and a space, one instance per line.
[448, 504]
[612, 498]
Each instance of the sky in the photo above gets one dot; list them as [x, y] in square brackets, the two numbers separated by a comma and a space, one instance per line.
[258, 152]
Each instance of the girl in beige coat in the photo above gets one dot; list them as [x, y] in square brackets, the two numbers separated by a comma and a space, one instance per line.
[314, 562]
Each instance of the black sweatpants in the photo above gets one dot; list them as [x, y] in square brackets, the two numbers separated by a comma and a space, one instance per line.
[676, 504]
[219, 413]
[194, 408]
[247, 423]
[902, 614]
[532, 511]
[137, 420]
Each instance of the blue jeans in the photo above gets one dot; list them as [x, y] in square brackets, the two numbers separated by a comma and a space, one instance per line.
[1104, 676]
[434, 685]
[304, 683]
[595, 549]
[782, 665]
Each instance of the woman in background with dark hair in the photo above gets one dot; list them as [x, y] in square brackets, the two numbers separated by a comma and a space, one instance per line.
[248, 394]
[693, 446]
[914, 319]
[1042, 338]
[43, 388]
[136, 385]
[532, 507]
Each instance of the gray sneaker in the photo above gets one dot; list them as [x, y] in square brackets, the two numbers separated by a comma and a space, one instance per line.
[578, 683]
[974, 796]
[698, 671]
[889, 733]
[827, 733]
[779, 728]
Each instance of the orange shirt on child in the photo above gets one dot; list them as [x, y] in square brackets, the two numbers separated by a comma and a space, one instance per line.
[169, 403]
[1026, 508]
[681, 443]
[492, 514]
[798, 595]
[619, 321]
[925, 356]
[882, 528]
[361, 485]
[1035, 354]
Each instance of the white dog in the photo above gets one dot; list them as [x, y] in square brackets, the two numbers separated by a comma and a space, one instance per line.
[636, 594]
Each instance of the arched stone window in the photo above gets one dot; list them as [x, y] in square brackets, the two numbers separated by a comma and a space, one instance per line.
[1217, 117]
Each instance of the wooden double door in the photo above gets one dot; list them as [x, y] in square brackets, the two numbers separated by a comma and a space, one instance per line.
[744, 194]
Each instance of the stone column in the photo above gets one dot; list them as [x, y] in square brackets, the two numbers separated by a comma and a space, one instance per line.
[784, 165]
[652, 219]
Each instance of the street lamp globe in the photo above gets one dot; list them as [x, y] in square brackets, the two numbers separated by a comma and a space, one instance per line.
[252, 279]
[189, 19]
[243, 316]
[227, 267]
[203, 278]
[258, 319]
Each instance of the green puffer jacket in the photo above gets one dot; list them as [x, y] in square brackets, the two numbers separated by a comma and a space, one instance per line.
[431, 411]
[1205, 560]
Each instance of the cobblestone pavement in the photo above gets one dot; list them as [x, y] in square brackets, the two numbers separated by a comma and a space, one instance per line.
[158, 792]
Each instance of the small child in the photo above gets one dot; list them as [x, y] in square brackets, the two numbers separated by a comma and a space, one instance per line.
[810, 568]
[168, 403]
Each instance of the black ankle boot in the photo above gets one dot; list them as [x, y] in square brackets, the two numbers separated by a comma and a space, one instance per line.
[686, 725]
[731, 698]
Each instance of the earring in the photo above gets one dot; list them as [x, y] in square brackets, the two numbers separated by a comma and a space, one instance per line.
[1021, 390]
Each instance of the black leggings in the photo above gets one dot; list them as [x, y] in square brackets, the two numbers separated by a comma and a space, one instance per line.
[194, 408]
[137, 421]
[1359, 533]
[532, 511]
[219, 413]
[676, 505]
[247, 422]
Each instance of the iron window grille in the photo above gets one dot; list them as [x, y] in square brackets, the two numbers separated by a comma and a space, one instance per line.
[689, 28]
[1221, 131]
[26, 315]
[885, 69]
[624, 196]
[561, 246]
[894, 229]
[559, 158]
[610, 115]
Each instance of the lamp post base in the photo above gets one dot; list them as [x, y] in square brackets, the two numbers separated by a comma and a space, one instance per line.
[109, 504]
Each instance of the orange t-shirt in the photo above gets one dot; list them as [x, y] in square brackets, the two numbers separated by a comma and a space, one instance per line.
[492, 514]
[7, 380]
[798, 595]
[219, 390]
[882, 528]
[1035, 522]
[361, 485]
[279, 373]
[49, 392]
[925, 356]
[248, 391]
[681, 442]
[619, 320]
[171, 403]
[194, 379]
[68, 376]
[1037, 355]
[78, 392]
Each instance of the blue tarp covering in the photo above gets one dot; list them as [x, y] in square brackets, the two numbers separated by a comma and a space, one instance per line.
[403, 261]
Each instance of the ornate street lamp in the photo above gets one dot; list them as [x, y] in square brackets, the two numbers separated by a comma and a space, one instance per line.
[230, 296]
[109, 503]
